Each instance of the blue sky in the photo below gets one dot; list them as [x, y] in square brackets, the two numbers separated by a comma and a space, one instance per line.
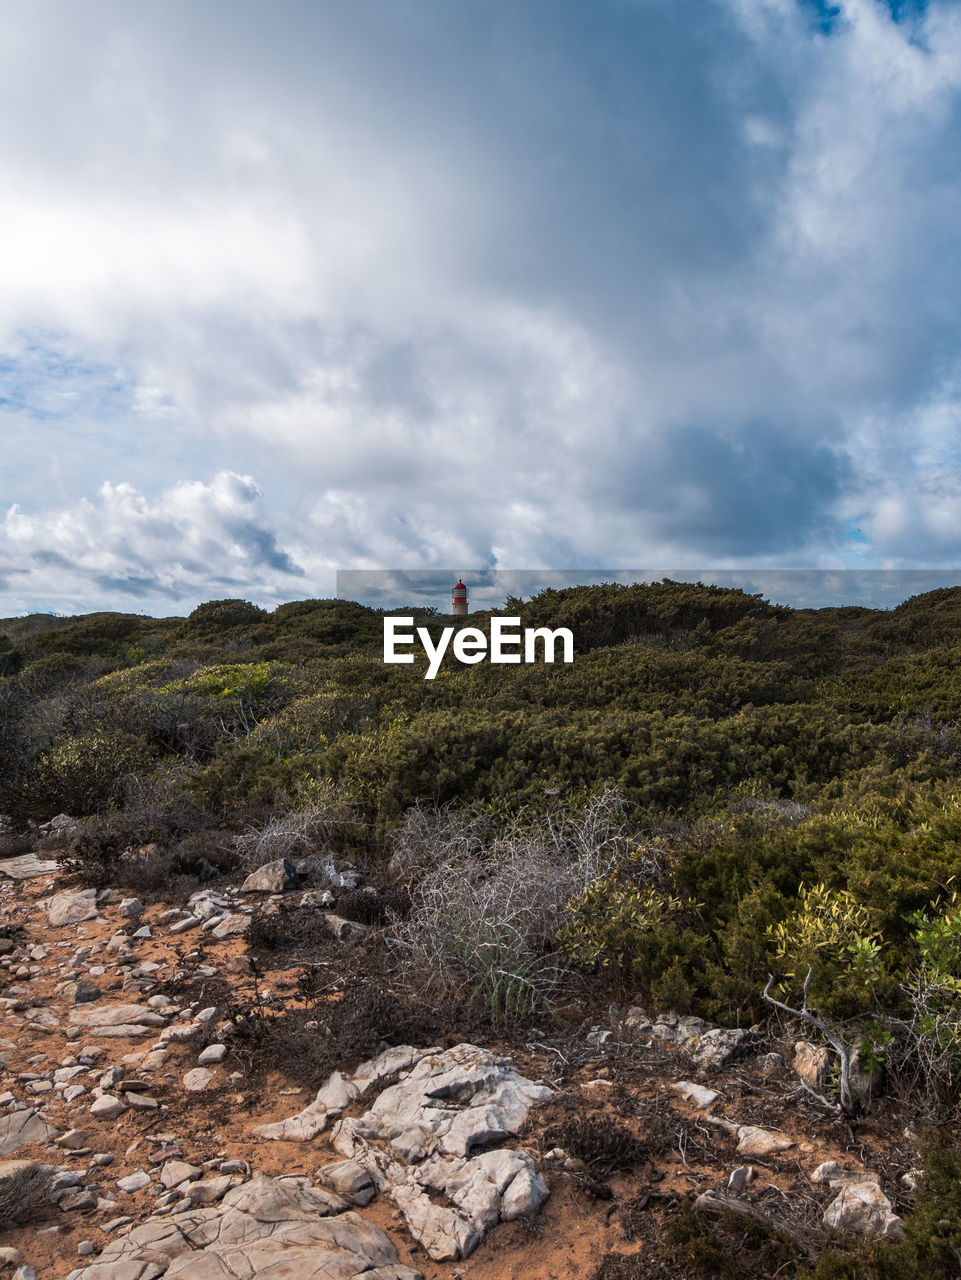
[407, 284]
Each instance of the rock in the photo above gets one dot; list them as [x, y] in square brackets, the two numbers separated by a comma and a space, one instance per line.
[273, 877]
[345, 930]
[334, 1097]
[82, 992]
[349, 1180]
[72, 906]
[27, 867]
[107, 1108]
[116, 1015]
[209, 1191]
[718, 1048]
[496, 1186]
[142, 1102]
[131, 907]
[485, 1100]
[176, 1171]
[317, 898]
[134, 1181]
[231, 925]
[9, 1256]
[81, 1201]
[696, 1094]
[75, 1139]
[213, 1054]
[62, 824]
[198, 1079]
[189, 922]
[740, 1178]
[267, 1228]
[864, 1209]
[752, 1141]
[812, 1062]
[17, 1128]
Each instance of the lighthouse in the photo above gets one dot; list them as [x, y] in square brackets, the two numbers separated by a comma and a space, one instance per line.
[459, 599]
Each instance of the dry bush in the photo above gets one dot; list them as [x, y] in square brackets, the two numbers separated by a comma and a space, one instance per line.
[306, 1045]
[486, 904]
[311, 832]
[25, 1191]
[603, 1144]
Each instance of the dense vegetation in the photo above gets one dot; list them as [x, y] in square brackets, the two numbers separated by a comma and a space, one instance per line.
[715, 790]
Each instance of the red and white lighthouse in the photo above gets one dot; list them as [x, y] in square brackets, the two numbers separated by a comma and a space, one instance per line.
[459, 598]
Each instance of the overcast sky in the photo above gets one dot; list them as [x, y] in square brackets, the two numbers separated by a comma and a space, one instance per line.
[313, 284]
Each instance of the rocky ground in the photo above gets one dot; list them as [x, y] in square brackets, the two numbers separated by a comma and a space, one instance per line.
[136, 1146]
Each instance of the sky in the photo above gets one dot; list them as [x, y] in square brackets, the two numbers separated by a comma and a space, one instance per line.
[404, 284]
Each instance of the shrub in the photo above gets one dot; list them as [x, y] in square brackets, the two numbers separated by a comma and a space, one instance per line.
[81, 774]
[484, 912]
[24, 1191]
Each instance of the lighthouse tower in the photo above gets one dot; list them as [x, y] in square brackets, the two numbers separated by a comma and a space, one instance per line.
[459, 598]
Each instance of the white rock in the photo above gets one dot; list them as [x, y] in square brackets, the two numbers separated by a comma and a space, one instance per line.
[752, 1141]
[864, 1209]
[107, 1108]
[72, 906]
[696, 1093]
[213, 1054]
[198, 1079]
[134, 1181]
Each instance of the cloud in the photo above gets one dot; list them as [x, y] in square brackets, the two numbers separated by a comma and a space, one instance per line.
[191, 543]
[485, 283]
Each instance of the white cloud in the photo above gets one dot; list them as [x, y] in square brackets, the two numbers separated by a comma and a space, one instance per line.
[474, 283]
[194, 541]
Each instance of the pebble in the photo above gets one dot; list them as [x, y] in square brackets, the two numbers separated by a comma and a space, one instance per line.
[134, 1181]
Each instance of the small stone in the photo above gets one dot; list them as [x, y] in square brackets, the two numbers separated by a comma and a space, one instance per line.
[759, 1143]
[142, 1102]
[85, 1248]
[740, 1178]
[696, 1094]
[182, 926]
[213, 1054]
[107, 1108]
[175, 1172]
[134, 1181]
[198, 1079]
[131, 907]
[74, 1139]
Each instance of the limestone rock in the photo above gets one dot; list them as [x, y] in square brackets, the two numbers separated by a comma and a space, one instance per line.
[864, 1209]
[719, 1047]
[72, 906]
[752, 1141]
[334, 1097]
[696, 1093]
[17, 1128]
[108, 1107]
[176, 1171]
[116, 1015]
[274, 877]
[812, 1062]
[27, 866]
[345, 930]
[213, 1054]
[198, 1079]
[350, 1180]
[263, 1230]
